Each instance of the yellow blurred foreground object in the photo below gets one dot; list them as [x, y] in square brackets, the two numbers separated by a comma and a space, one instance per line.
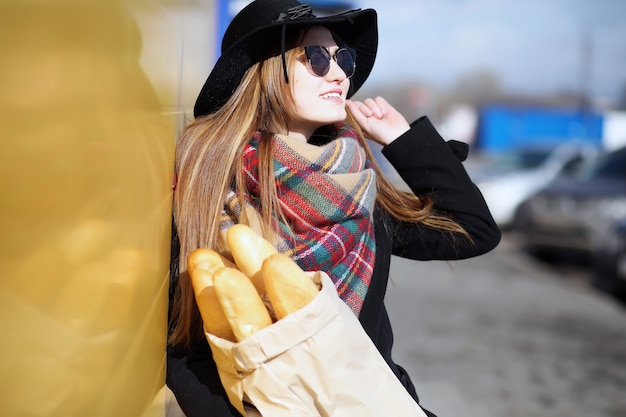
[86, 166]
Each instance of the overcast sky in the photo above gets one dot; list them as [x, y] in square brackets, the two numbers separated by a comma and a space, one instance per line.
[531, 45]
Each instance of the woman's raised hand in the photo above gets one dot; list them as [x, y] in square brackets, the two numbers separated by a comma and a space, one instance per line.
[378, 119]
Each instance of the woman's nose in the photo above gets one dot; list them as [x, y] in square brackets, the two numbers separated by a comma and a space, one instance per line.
[335, 72]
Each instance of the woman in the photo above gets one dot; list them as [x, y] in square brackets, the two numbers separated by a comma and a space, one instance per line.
[277, 144]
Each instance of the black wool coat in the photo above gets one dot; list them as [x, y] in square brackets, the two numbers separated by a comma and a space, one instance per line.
[429, 166]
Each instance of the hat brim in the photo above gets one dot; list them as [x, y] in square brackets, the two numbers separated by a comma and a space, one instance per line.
[357, 29]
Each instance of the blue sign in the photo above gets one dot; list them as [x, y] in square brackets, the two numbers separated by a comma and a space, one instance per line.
[515, 127]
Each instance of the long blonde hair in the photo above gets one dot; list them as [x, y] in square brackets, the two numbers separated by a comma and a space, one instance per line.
[209, 165]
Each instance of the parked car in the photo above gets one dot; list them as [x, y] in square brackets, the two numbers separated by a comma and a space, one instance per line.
[577, 214]
[510, 179]
[609, 262]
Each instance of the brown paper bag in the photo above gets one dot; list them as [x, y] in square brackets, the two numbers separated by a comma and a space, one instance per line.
[317, 361]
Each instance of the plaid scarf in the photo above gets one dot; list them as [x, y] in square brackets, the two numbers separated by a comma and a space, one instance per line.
[327, 195]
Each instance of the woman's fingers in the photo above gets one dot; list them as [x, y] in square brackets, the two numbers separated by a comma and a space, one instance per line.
[371, 107]
[378, 119]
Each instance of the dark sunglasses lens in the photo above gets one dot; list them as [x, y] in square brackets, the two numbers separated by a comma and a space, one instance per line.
[345, 60]
[319, 59]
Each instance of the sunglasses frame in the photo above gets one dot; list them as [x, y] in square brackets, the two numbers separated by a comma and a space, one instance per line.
[308, 50]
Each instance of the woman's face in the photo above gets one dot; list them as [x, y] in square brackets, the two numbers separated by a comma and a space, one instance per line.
[317, 100]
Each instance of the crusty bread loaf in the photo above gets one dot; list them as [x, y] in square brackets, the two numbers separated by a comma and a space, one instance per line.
[230, 296]
[207, 259]
[242, 304]
[289, 288]
[249, 250]
[213, 316]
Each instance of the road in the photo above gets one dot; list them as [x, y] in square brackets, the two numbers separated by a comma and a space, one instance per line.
[502, 335]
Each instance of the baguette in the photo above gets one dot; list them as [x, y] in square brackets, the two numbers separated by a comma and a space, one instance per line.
[288, 287]
[242, 305]
[207, 259]
[213, 316]
[249, 250]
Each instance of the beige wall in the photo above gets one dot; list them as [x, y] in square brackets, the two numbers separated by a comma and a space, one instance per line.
[179, 49]
[93, 95]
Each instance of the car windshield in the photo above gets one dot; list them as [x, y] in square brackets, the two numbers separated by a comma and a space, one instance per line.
[612, 165]
[515, 161]
[524, 159]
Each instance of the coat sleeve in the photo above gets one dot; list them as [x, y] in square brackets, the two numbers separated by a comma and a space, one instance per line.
[430, 166]
[193, 378]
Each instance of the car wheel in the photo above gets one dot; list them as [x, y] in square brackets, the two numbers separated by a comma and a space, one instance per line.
[609, 274]
[620, 267]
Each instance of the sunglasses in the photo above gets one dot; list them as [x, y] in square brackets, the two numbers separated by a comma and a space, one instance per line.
[319, 59]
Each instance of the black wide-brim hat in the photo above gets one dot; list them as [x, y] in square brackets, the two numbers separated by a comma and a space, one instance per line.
[262, 24]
